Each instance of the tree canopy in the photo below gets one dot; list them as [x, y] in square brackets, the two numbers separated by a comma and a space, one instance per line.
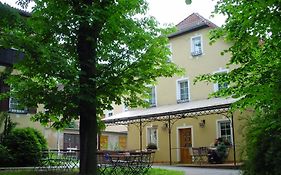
[131, 53]
[252, 27]
[83, 55]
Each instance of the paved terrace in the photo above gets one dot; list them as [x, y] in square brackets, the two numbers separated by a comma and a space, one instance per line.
[202, 171]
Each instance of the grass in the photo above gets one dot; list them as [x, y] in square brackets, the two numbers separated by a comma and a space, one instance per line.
[158, 171]
[153, 171]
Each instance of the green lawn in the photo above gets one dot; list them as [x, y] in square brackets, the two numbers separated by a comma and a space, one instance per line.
[153, 171]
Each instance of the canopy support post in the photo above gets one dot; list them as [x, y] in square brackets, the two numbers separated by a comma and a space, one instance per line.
[170, 143]
[140, 134]
[234, 145]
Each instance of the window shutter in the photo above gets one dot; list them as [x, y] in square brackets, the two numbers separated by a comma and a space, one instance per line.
[4, 104]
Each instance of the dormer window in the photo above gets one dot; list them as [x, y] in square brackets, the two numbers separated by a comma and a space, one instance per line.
[196, 46]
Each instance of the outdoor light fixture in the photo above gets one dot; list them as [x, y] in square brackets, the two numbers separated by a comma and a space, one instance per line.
[202, 123]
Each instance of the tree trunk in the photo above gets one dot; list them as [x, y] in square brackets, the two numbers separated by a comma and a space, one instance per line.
[86, 49]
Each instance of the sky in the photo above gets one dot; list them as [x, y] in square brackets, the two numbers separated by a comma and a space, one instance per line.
[174, 11]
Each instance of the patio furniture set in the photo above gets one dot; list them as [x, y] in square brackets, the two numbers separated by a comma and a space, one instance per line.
[108, 162]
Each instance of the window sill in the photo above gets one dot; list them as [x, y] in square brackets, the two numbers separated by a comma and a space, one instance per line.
[195, 54]
[182, 101]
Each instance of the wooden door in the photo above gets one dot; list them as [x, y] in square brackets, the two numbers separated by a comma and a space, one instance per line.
[185, 144]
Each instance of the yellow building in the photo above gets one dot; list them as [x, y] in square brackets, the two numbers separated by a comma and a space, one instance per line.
[181, 116]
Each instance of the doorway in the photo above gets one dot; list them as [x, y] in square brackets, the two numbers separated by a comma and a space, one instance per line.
[185, 143]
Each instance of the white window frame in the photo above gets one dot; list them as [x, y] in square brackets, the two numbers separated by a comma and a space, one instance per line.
[148, 136]
[221, 70]
[13, 106]
[219, 129]
[178, 90]
[155, 96]
[193, 53]
[170, 57]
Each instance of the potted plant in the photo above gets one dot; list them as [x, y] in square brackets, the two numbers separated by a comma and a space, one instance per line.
[151, 146]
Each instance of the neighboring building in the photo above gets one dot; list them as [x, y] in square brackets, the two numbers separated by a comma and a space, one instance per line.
[181, 116]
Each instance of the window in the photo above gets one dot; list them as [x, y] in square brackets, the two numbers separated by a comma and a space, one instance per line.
[152, 136]
[169, 46]
[224, 130]
[14, 106]
[196, 46]
[220, 85]
[109, 113]
[152, 96]
[182, 91]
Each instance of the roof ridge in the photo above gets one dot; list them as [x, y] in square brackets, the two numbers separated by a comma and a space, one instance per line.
[185, 19]
[205, 20]
[194, 20]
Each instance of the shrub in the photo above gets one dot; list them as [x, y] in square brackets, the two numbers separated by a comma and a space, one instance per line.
[25, 145]
[6, 158]
[263, 140]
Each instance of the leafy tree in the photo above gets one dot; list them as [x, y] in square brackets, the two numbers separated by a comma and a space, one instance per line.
[82, 55]
[253, 28]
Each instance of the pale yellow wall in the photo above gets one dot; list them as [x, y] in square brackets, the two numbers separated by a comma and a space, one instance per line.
[23, 121]
[209, 62]
[201, 137]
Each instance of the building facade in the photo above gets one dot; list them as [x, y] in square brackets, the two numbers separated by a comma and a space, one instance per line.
[181, 115]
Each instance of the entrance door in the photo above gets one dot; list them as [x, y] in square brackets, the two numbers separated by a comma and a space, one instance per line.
[185, 144]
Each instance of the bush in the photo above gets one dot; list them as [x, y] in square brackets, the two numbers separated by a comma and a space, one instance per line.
[6, 158]
[25, 145]
[263, 140]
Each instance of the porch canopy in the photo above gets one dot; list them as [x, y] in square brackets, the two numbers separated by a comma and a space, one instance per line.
[175, 111]
[171, 113]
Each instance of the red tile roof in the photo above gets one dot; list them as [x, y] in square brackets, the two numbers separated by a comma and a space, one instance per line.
[191, 23]
[194, 20]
